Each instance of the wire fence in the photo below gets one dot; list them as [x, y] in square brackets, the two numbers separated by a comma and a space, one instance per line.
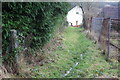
[114, 37]
[107, 30]
[96, 27]
[104, 36]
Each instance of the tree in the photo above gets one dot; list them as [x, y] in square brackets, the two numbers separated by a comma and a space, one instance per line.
[89, 10]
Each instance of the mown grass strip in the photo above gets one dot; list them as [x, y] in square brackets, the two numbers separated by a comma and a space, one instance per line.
[75, 48]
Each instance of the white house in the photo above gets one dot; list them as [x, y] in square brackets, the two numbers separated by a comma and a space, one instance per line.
[75, 16]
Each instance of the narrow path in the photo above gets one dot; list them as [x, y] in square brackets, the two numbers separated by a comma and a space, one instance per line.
[75, 48]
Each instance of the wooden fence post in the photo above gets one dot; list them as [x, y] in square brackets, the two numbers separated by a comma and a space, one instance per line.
[13, 40]
[109, 28]
[13, 45]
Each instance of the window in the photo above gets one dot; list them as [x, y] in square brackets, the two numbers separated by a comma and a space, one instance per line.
[77, 12]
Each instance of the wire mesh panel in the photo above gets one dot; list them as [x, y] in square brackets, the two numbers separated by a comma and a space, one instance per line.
[114, 38]
[107, 30]
[96, 26]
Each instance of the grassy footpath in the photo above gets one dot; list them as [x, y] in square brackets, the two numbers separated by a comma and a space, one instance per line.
[75, 48]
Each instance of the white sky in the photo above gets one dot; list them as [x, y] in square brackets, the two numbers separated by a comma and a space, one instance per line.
[60, 0]
[92, 0]
[112, 0]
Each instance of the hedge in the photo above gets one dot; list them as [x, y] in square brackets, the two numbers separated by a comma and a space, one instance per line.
[37, 18]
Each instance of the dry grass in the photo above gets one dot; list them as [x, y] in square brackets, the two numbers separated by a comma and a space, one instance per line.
[4, 73]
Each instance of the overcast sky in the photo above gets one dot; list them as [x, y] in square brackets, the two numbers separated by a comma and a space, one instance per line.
[60, 0]
[92, 0]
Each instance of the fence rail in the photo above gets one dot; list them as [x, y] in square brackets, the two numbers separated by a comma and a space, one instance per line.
[114, 45]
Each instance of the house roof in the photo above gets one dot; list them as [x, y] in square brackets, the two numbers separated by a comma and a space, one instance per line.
[76, 8]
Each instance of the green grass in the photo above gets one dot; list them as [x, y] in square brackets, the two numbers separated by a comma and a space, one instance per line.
[75, 48]
[116, 42]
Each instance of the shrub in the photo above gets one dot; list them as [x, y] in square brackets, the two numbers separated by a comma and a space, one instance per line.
[31, 17]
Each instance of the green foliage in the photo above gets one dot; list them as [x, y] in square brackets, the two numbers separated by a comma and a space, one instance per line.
[28, 17]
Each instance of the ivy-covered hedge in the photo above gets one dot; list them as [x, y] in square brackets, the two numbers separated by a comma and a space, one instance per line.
[31, 17]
